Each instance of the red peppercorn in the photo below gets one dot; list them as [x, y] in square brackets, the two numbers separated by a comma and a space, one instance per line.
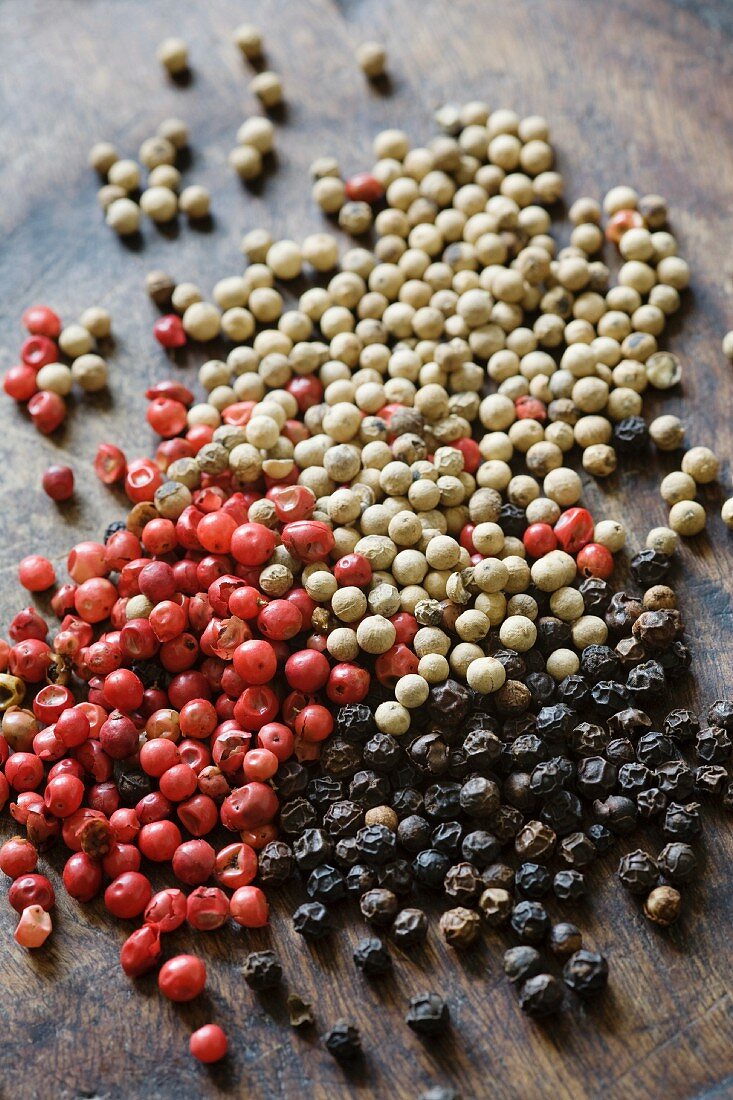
[47, 411]
[397, 662]
[207, 908]
[166, 416]
[307, 391]
[595, 560]
[364, 187]
[121, 859]
[208, 1044]
[278, 739]
[38, 351]
[51, 701]
[124, 824]
[73, 727]
[63, 795]
[539, 539]
[308, 539]
[280, 620]
[182, 978]
[19, 382]
[24, 771]
[252, 544]
[42, 321]
[141, 951]
[198, 814]
[29, 660]
[248, 907]
[166, 910]
[235, 866]
[314, 723]
[169, 331]
[36, 573]
[353, 569]
[620, 222]
[31, 889]
[472, 457]
[18, 857]
[574, 530]
[307, 670]
[142, 479]
[110, 463]
[58, 482]
[119, 736]
[530, 408]
[158, 840]
[249, 806]
[127, 895]
[34, 927]
[82, 877]
[348, 683]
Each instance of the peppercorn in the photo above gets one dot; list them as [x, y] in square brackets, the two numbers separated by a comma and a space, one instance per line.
[409, 928]
[565, 939]
[586, 972]
[275, 863]
[300, 1012]
[326, 884]
[521, 963]
[372, 957]
[530, 921]
[379, 907]
[638, 871]
[343, 1041]
[262, 970]
[462, 882]
[312, 920]
[540, 996]
[460, 927]
[427, 1014]
[662, 906]
[533, 881]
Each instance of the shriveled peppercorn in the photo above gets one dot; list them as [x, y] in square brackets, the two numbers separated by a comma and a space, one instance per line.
[372, 957]
[343, 1041]
[495, 905]
[530, 921]
[326, 884]
[533, 881]
[541, 996]
[427, 1014]
[409, 928]
[564, 939]
[586, 972]
[262, 970]
[535, 841]
[638, 871]
[460, 927]
[379, 907]
[521, 963]
[677, 862]
[312, 920]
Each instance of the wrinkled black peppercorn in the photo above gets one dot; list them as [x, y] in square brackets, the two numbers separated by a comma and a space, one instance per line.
[262, 970]
[586, 972]
[343, 1041]
[541, 995]
[372, 957]
[428, 1014]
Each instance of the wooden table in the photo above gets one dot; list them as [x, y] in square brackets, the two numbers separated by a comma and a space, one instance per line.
[635, 93]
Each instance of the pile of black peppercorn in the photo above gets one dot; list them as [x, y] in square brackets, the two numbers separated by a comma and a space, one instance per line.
[497, 804]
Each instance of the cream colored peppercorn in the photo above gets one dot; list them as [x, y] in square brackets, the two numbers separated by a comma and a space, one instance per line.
[518, 632]
[411, 690]
[195, 201]
[372, 59]
[97, 321]
[485, 675]
[342, 644]
[123, 215]
[392, 718]
[701, 464]
[125, 174]
[663, 539]
[102, 156]
[246, 161]
[172, 53]
[159, 203]
[677, 486]
[55, 377]
[589, 630]
[567, 604]
[726, 513]
[599, 460]
[375, 634]
[727, 345]
[562, 663]
[90, 372]
[349, 604]
[75, 340]
[267, 86]
[202, 321]
[667, 432]
[249, 39]
[687, 518]
[434, 668]
[611, 534]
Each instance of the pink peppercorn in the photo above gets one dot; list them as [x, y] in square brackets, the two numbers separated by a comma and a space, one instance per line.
[58, 482]
[169, 331]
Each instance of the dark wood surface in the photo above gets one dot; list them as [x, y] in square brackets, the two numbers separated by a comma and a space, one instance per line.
[635, 92]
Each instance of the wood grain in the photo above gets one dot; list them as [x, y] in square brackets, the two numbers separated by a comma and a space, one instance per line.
[635, 93]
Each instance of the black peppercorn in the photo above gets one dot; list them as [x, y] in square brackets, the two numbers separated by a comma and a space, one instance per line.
[413, 833]
[721, 714]
[446, 837]
[480, 848]
[654, 749]
[376, 844]
[633, 779]
[622, 612]
[630, 435]
[563, 812]
[674, 778]
[637, 871]
[296, 816]
[586, 972]
[343, 1041]
[620, 751]
[512, 698]
[551, 775]
[430, 753]
[495, 904]
[359, 879]
[710, 779]
[410, 927]
[311, 848]
[430, 868]
[629, 722]
[599, 662]
[555, 722]
[552, 634]
[596, 595]
[112, 529]
[291, 779]
[565, 939]
[528, 751]
[346, 853]
[323, 791]
[533, 881]
[658, 629]
[609, 696]
[406, 801]
[482, 749]
[530, 921]
[541, 687]
[677, 862]
[379, 906]
[372, 957]
[575, 691]
[595, 776]
[340, 758]
[326, 884]
[262, 970]
[601, 838]
[541, 996]
[577, 850]
[479, 797]
[616, 812]
[300, 1012]
[650, 803]
[354, 721]
[646, 681]
[649, 567]
[682, 822]
[312, 920]
[275, 863]
[427, 1014]
[449, 702]
[521, 963]
[396, 876]
[713, 745]
[512, 662]
[343, 819]
[512, 520]
[500, 875]
[369, 789]
[569, 885]
[587, 739]
[382, 752]
[442, 801]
